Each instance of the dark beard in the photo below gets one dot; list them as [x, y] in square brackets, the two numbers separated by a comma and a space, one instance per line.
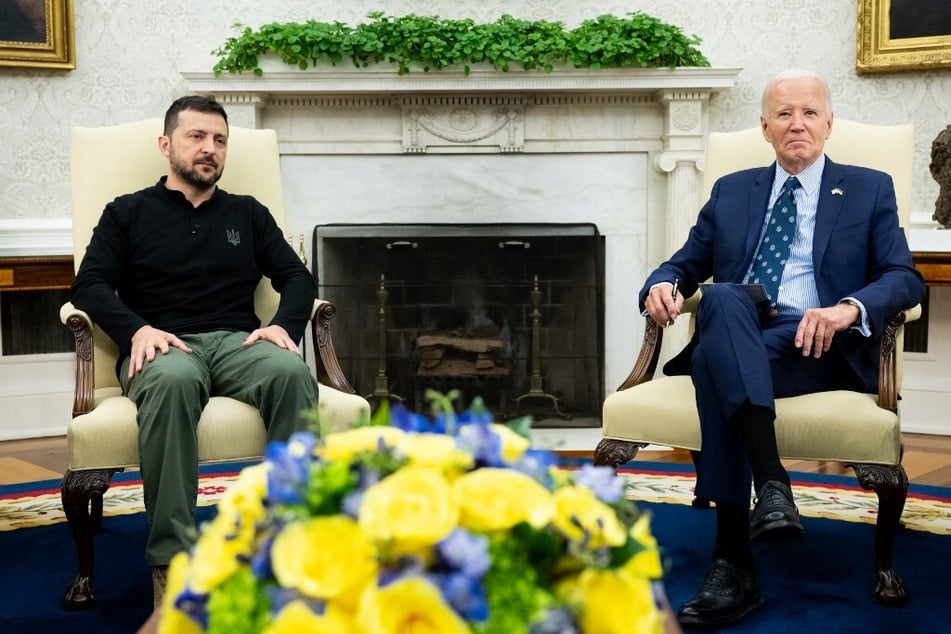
[193, 177]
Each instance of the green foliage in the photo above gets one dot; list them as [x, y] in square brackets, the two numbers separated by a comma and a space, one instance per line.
[512, 586]
[328, 484]
[240, 606]
[432, 43]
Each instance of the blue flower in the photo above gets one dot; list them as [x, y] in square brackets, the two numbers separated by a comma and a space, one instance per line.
[402, 418]
[290, 465]
[605, 484]
[280, 597]
[193, 605]
[464, 594]
[261, 559]
[474, 434]
[466, 552]
[537, 464]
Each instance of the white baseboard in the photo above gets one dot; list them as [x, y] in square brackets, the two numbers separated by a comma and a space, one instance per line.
[36, 395]
[925, 412]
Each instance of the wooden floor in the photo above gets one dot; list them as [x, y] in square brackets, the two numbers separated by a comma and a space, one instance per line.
[927, 460]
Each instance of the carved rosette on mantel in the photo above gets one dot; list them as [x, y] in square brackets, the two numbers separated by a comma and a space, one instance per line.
[490, 123]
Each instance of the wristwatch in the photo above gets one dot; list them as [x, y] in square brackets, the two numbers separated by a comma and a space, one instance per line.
[852, 302]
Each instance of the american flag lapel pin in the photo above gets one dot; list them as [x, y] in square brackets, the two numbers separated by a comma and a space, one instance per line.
[837, 192]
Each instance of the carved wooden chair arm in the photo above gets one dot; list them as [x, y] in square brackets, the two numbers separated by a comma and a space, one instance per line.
[888, 360]
[646, 363]
[325, 357]
[80, 325]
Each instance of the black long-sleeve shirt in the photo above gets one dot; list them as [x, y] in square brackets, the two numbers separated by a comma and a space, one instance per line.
[156, 260]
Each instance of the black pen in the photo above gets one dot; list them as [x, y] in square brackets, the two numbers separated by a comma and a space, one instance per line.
[673, 295]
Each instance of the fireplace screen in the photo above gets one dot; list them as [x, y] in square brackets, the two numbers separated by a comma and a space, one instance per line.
[514, 313]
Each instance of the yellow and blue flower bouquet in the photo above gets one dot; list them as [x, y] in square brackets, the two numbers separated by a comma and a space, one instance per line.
[409, 524]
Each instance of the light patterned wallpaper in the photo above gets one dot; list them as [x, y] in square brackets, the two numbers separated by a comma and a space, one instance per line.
[130, 53]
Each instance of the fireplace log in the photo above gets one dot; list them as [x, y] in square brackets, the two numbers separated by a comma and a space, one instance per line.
[465, 344]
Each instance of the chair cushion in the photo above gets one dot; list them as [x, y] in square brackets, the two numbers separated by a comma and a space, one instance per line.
[228, 430]
[839, 425]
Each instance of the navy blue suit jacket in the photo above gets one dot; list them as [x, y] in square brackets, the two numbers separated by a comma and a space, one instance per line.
[859, 249]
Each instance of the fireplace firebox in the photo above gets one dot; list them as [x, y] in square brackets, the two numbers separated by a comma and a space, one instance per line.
[510, 312]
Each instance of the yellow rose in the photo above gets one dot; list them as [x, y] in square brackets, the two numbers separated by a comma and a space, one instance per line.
[497, 499]
[222, 547]
[409, 509]
[297, 618]
[613, 602]
[513, 444]
[323, 557]
[173, 621]
[412, 605]
[253, 479]
[645, 563]
[581, 515]
[344, 445]
[438, 451]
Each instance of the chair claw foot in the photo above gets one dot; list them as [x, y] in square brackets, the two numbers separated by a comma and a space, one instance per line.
[79, 593]
[890, 589]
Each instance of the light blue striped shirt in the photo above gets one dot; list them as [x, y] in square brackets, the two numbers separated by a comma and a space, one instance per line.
[797, 289]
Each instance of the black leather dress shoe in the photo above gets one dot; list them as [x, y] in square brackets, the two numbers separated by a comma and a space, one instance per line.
[728, 594]
[775, 516]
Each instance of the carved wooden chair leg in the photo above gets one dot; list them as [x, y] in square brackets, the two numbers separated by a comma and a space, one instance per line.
[890, 483]
[81, 494]
[95, 512]
[614, 453]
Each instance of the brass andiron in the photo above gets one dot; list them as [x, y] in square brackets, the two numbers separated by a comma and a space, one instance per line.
[381, 388]
[301, 253]
[300, 250]
[535, 385]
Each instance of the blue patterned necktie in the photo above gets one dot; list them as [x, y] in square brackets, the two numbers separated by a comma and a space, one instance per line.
[774, 249]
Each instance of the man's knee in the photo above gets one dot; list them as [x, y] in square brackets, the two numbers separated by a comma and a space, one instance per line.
[280, 364]
[724, 297]
[171, 374]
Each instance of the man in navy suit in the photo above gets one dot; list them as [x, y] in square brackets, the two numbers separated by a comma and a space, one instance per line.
[847, 272]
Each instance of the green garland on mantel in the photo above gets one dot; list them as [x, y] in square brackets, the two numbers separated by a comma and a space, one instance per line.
[431, 43]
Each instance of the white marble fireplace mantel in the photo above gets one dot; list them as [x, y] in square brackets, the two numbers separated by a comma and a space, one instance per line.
[622, 148]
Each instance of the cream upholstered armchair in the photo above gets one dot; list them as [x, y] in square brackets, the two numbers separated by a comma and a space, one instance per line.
[102, 436]
[862, 430]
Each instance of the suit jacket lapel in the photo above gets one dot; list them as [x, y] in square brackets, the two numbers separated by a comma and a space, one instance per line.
[827, 211]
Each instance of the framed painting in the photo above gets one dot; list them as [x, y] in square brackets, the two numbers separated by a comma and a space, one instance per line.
[37, 34]
[897, 35]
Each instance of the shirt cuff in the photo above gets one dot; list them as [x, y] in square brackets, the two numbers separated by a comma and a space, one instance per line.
[862, 324]
[644, 312]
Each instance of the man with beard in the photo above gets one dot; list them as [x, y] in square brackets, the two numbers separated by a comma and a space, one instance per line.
[170, 275]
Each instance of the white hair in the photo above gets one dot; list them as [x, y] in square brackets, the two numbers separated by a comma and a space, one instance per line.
[794, 73]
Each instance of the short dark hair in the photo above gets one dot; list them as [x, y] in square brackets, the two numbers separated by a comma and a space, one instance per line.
[199, 103]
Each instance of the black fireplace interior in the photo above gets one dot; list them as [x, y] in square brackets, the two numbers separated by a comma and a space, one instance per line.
[511, 312]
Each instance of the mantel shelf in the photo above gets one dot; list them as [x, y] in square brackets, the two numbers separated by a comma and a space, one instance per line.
[281, 79]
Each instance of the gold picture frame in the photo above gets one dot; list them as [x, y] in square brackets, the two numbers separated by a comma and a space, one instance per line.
[902, 35]
[37, 34]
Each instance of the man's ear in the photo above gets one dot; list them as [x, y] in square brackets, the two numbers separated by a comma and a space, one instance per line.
[163, 143]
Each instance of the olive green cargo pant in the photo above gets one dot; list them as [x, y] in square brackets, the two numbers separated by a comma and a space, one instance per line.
[170, 393]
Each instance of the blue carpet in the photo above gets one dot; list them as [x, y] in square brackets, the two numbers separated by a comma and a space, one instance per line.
[820, 583]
